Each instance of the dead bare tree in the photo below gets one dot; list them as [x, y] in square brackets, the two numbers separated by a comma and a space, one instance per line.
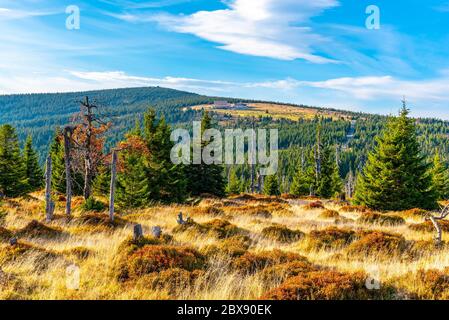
[87, 144]
[49, 204]
[434, 219]
[68, 169]
[112, 186]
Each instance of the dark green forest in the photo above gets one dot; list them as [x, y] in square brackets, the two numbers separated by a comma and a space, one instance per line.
[346, 141]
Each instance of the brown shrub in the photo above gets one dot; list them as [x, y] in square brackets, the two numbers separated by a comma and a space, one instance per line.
[380, 219]
[130, 245]
[423, 248]
[80, 253]
[349, 208]
[343, 220]
[431, 284]
[260, 198]
[378, 243]
[235, 246]
[329, 214]
[313, 205]
[327, 285]
[172, 280]
[253, 262]
[330, 238]
[286, 270]
[5, 234]
[35, 229]
[212, 210]
[413, 213]
[11, 287]
[22, 251]
[218, 228]
[311, 198]
[428, 226]
[282, 234]
[287, 196]
[155, 258]
[98, 219]
[257, 211]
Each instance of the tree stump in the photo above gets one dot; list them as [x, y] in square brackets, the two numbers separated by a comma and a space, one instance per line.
[156, 232]
[138, 233]
[180, 219]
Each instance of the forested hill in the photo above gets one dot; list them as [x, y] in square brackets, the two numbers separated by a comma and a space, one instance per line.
[353, 133]
[40, 114]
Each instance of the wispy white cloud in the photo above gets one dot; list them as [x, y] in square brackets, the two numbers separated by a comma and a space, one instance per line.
[362, 88]
[144, 4]
[267, 28]
[443, 7]
[14, 14]
[429, 98]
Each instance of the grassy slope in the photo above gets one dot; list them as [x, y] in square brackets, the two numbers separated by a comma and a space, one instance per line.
[39, 273]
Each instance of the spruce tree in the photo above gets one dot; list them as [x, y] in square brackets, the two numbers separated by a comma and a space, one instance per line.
[202, 178]
[325, 184]
[271, 186]
[234, 183]
[58, 178]
[303, 179]
[13, 181]
[34, 173]
[440, 178]
[132, 183]
[169, 178]
[396, 176]
[102, 181]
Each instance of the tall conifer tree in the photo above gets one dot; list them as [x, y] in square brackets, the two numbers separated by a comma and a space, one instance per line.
[440, 178]
[13, 181]
[396, 176]
[34, 173]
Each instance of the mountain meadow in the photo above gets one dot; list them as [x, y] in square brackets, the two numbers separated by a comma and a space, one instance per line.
[92, 207]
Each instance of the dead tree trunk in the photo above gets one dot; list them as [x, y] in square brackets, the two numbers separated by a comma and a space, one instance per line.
[112, 186]
[434, 219]
[88, 161]
[253, 173]
[49, 205]
[68, 171]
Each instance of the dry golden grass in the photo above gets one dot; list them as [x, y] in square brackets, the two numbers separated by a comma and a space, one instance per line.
[276, 111]
[244, 247]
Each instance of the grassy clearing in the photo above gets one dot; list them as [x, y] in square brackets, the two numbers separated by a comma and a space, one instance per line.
[244, 247]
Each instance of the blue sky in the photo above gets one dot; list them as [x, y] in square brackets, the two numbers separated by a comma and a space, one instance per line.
[300, 51]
